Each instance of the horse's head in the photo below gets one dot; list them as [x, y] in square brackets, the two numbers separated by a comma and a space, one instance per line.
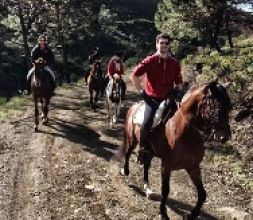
[39, 65]
[214, 108]
[211, 106]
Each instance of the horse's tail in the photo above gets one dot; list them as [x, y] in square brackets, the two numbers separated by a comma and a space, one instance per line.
[128, 136]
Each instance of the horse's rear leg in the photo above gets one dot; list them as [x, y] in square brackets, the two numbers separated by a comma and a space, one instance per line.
[128, 149]
[195, 175]
[165, 191]
[36, 119]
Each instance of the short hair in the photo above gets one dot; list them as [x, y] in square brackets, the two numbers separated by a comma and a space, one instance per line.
[163, 36]
[42, 36]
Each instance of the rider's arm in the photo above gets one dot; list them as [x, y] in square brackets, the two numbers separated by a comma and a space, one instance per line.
[178, 78]
[33, 55]
[137, 83]
[121, 69]
[141, 69]
[110, 69]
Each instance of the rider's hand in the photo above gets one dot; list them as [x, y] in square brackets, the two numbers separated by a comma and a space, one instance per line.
[178, 94]
[141, 93]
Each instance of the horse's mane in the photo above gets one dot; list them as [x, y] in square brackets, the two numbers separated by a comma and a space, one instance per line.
[218, 92]
[189, 92]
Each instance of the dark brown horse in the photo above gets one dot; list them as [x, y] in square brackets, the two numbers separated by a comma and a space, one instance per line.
[41, 88]
[204, 111]
[95, 83]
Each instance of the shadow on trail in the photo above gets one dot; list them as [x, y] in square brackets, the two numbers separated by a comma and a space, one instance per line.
[178, 207]
[80, 134]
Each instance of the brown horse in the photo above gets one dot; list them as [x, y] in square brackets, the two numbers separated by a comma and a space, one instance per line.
[95, 83]
[204, 112]
[41, 88]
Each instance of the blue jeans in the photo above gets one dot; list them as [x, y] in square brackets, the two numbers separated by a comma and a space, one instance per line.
[151, 105]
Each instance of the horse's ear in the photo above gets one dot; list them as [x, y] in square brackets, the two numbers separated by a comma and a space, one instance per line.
[227, 85]
[210, 88]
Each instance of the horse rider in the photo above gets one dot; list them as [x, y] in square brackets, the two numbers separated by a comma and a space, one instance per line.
[115, 66]
[94, 57]
[42, 50]
[161, 74]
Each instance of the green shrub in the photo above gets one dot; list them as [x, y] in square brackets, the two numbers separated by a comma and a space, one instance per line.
[131, 62]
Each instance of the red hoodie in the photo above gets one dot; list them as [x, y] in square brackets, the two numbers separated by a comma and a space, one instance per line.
[160, 75]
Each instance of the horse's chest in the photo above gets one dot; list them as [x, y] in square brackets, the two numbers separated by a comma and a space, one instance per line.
[181, 156]
[187, 156]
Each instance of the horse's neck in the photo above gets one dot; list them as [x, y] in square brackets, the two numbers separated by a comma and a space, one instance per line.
[181, 123]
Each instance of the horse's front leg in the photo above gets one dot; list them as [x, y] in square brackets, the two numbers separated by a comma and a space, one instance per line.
[117, 110]
[91, 98]
[195, 175]
[45, 111]
[147, 164]
[96, 97]
[165, 191]
[110, 111]
[36, 110]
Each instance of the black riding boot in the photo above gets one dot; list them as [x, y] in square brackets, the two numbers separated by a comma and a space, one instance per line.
[123, 90]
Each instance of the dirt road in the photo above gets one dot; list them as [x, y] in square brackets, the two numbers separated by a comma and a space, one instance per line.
[65, 171]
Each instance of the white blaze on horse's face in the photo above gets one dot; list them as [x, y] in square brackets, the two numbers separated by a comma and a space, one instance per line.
[116, 76]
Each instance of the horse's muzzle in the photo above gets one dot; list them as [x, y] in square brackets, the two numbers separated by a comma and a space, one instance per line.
[222, 135]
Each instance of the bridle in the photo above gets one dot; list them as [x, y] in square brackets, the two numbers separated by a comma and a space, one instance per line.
[209, 110]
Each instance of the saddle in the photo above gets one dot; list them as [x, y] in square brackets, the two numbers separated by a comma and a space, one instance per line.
[166, 110]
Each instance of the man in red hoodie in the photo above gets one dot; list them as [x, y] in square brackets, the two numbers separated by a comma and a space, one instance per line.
[161, 75]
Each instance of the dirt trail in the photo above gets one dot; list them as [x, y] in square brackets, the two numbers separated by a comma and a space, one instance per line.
[65, 171]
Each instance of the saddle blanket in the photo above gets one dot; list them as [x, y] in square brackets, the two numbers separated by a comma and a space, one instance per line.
[138, 115]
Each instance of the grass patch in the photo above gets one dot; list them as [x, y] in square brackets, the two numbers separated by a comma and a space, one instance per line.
[3, 100]
[12, 108]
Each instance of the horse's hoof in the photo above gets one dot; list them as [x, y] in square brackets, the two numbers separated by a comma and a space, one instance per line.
[124, 172]
[188, 217]
[149, 193]
[164, 217]
[45, 122]
[36, 128]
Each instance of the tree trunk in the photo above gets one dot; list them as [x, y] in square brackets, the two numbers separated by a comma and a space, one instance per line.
[24, 34]
[229, 32]
[219, 19]
[65, 61]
